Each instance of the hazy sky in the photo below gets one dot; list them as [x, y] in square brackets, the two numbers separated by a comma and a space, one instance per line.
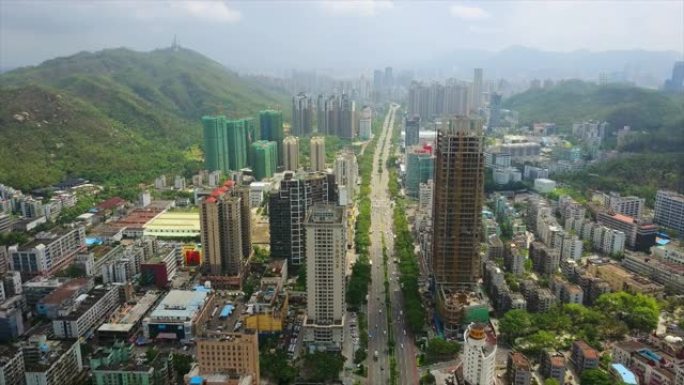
[333, 34]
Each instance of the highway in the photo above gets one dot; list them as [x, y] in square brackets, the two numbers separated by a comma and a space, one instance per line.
[381, 227]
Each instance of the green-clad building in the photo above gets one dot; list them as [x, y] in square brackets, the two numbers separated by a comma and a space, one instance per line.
[226, 142]
[117, 365]
[264, 156]
[215, 143]
[271, 129]
[420, 165]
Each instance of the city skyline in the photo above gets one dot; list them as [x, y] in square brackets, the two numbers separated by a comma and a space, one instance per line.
[359, 29]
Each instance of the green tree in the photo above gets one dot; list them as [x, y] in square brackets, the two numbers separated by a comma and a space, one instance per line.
[551, 381]
[275, 366]
[639, 312]
[427, 379]
[321, 366]
[182, 363]
[596, 377]
[441, 350]
[514, 324]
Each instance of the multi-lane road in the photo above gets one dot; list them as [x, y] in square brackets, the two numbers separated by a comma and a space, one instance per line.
[381, 228]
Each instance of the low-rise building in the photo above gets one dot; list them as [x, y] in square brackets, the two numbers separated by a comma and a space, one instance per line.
[584, 356]
[63, 297]
[553, 366]
[229, 353]
[177, 315]
[117, 365]
[48, 253]
[50, 362]
[518, 369]
[86, 313]
[161, 268]
[11, 365]
[125, 322]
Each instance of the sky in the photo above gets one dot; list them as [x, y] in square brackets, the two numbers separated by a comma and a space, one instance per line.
[268, 35]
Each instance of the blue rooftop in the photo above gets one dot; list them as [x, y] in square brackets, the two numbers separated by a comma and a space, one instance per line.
[662, 241]
[227, 311]
[196, 380]
[625, 374]
[650, 355]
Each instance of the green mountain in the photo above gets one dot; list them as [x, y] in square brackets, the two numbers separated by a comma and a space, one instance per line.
[651, 158]
[657, 115]
[117, 115]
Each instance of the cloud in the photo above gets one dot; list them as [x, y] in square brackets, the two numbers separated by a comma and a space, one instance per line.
[217, 11]
[467, 12]
[356, 7]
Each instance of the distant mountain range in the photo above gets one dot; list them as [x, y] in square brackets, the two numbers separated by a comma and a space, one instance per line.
[645, 68]
[115, 115]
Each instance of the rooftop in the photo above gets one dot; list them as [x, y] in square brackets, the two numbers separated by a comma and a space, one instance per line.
[50, 351]
[587, 351]
[111, 203]
[175, 223]
[179, 305]
[625, 374]
[85, 302]
[65, 291]
[520, 361]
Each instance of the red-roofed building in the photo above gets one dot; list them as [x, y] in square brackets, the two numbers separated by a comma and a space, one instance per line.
[112, 204]
[584, 356]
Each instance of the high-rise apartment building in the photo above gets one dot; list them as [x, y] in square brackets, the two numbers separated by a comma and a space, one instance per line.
[458, 198]
[326, 248]
[346, 172]
[317, 153]
[419, 168]
[215, 143]
[287, 208]
[347, 126]
[412, 131]
[435, 100]
[477, 89]
[302, 115]
[227, 352]
[669, 210]
[271, 129]
[221, 232]
[291, 153]
[365, 123]
[264, 158]
[479, 356]
[225, 142]
[243, 191]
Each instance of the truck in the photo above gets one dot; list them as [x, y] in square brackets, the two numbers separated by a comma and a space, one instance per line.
[375, 355]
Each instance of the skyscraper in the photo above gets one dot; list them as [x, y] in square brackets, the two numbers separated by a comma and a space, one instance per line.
[477, 90]
[264, 158]
[302, 115]
[365, 123]
[225, 142]
[419, 168]
[215, 143]
[242, 191]
[291, 153]
[347, 126]
[236, 135]
[458, 198]
[321, 117]
[326, 249]
[494, 112]
[317, 153]
[346, 172]
[287, 208]
[412, 131]
[221, 232]
[271, 129]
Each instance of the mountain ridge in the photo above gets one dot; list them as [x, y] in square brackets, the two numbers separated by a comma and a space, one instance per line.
[154, 99]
